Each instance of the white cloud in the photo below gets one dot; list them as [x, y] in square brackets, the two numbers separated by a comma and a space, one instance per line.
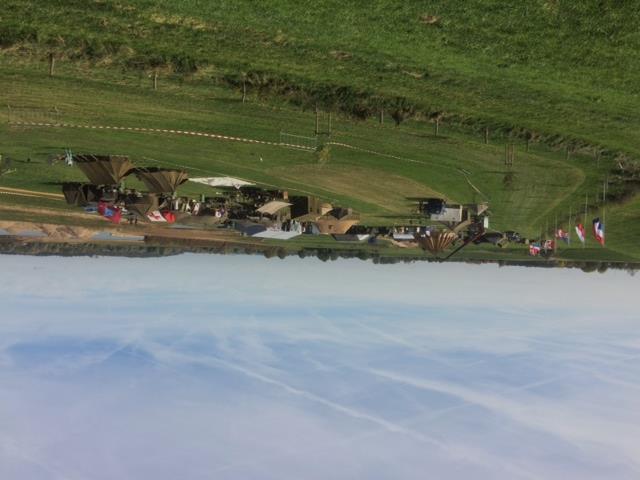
[196, 365]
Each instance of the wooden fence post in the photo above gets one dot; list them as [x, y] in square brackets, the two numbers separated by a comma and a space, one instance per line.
[52, 63]
[509, 154]
[244, 90]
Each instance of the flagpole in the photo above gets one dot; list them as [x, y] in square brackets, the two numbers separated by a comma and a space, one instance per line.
[604, 201]
[570, 224]
[604, 208]
[555, 235]
[586, 200]
[546, 228]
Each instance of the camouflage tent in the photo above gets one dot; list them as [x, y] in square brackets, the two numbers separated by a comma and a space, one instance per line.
[306, 208]
[328, 225]
[162, 180]
[144, 205]
[337, 222]
[104, 169]
[437, 241]
[80, 194]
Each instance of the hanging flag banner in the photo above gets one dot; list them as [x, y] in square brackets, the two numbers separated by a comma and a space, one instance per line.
[169, 216]
[156, 216]
[111, 213]
[598, 231]
[580, 231]
[562, 235]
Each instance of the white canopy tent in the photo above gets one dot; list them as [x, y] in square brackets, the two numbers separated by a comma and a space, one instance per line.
[221, 181]
[277, 234]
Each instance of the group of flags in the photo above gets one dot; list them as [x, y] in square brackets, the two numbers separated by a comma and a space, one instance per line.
[537, 247]
[598, 231]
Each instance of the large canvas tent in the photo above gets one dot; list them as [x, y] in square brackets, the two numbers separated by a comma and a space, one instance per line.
[80, 194]
[162, 180]
[104, 169]
[143, 206]
[437, 241]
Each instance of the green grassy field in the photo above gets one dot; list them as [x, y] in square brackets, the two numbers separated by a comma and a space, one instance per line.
[566, 76]
[560, 70]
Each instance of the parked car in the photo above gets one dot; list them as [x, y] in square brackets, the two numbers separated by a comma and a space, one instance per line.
[433, 206]
[496, 238]
[514, 237]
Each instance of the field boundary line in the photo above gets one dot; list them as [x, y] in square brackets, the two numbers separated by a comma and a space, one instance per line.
[218, 136]
[168, 131]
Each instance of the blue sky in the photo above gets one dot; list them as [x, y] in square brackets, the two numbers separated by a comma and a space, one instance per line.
[202, 367]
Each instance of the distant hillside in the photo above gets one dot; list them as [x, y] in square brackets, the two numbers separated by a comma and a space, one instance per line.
[563, 72]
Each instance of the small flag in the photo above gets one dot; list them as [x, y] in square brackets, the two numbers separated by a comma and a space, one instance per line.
[562, 235]
[156, 216]
[598, 231]
[534, 249]
[580, 231]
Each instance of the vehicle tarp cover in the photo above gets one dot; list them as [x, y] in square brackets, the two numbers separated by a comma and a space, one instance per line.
[104, 169]
[160, 180]
[273, 207]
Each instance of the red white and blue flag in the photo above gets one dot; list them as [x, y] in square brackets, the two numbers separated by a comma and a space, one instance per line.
[598, 231]
[111, 213]
[534, 249]
[580, 231]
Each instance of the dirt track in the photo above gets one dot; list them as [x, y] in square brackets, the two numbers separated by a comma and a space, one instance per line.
[50, 212]
[57, 232]
[73, 233]
[30, 193]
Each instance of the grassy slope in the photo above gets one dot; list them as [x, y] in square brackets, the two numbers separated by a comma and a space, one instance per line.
[564, 69]
[558, 68]
[544, 184]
